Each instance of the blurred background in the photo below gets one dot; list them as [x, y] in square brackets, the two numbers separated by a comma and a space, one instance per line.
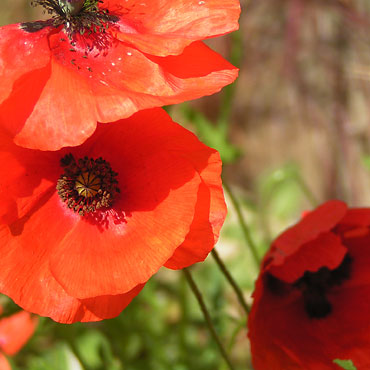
[293, 131]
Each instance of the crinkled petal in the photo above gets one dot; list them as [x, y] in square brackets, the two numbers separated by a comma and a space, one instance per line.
[124, 80]
[205, 77]
[165, 27]
[327, 250]
[63, 114]
[20, 52]
[210, 213]
[320, 220]
[25, 276]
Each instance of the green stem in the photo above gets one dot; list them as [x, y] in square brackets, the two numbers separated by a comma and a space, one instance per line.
[243, 225]
[207, 316]
[231, 280]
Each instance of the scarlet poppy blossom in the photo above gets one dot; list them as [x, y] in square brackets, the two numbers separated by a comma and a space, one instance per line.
[311, 301]
[15, 331]
[83, 228]
[100, 61]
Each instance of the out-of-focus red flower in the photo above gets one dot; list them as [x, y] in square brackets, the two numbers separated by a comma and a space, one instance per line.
[311, 301]
[139, 194]
[15, 331]
[105, 61]
[4, 364]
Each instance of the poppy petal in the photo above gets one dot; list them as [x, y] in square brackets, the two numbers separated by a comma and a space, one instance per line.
[207, 76]
[165, 27]
[32, 286]
[116, 65]
[326, 250]
[107, 307]
[18, 49]
[356, 217]
[152, 216]
[141, 81]
[320, 220]
[209, 217]
[65, 97]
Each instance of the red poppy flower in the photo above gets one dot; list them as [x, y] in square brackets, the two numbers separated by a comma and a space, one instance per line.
[104, 60]
[311, 302]
[82, 229]
[15, 331]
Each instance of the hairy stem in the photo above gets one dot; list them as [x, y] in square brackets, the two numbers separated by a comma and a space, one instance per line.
[231, 280]
[207, 316]
[243, 225]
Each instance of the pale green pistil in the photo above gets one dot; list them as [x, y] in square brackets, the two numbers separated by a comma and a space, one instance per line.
[71, 7]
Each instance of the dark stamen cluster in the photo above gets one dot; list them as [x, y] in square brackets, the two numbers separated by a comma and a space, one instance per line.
[77, 17]
[87, 184]
[315, 287]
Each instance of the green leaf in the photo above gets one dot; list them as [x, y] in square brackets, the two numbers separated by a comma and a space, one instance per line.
[345, 364]
[94, 350]
[212, 134]
[59, 358]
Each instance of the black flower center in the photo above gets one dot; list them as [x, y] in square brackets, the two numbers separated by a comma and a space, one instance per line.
[77, 16]
[87, 184]
[314, 287]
